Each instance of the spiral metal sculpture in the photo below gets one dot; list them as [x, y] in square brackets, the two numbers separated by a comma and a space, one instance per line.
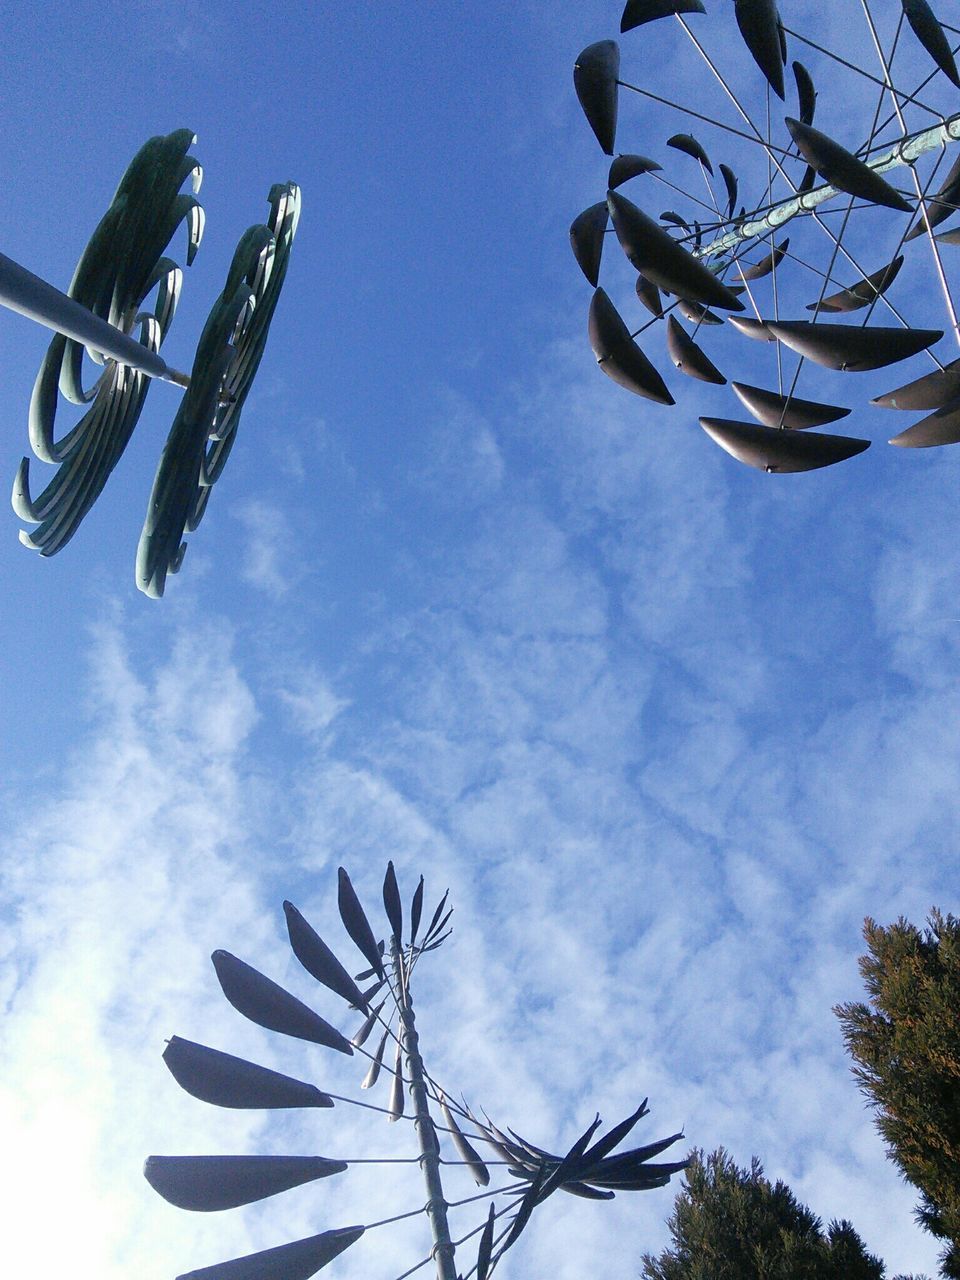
[124, 279]
[590, 1168]
[715, 256]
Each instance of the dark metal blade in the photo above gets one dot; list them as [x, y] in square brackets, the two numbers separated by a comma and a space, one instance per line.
[263, 1001]
[595, 80]
[619, 356]
[942, 427]
[586, 239]
[356, 924]
[759, 21]
[210, 1183]
[630, 166]
[687, 143]
[637, 12]
[775, 410]
[771, 450]
[317, 958]
[863, 292]
[688, 356]
[848, 348]
[932, 391]
[295, 1261]
[226, 1081]
[392, 904]
[842, 169]
[931, 35]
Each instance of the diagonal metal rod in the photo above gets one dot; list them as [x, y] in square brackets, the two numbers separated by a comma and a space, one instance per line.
[436, 1206]
[22, 291]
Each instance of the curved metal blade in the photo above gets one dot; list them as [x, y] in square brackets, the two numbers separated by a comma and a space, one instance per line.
[637, 12]
[318, 960]
[226, 1081]
[751, 328]
[806, 93]
[775, 410]
[595, 80]
[619, 356]
[466, 1152]
[295, 1261]
[586, 239]
[697, 313]
[852, 350]
[942, 427]
[688, 356]
[930, 34]
[759, 25]
[649, 295]
[730, 182]
[771, 450]
[767, 264]
[842, 169]
[356, 924]
[623, 168]
[863, 292]
[210, 1183]
[265, 1002]
[687, 143]
[932, 391]
[941, 206]
[656, 255]
[392, 904]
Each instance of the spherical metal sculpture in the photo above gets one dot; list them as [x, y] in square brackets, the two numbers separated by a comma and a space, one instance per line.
[118, 310]
[590, 1169]
[854, 206]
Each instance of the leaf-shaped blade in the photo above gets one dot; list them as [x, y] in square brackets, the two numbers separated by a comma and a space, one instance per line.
[842, 169]
[780, 451]
[941, 206]
[759, 25]
[391, 903]
[356, 924]
[776, 410]
[629, 166]
[730, 182]
[619, 356]
[370, 1079]
[932, 391]
[466, 1152]
[930, 34]
[750, 328]
[942, 427]
[295, 1261]
[631, 1163]
[697, 313]
[853, 350]
[767, 264]
[586, 239]
[637, 12]
[226, 1081]
[656, 255]
[688, 144]
[395, 1105]
[265, 1002]
[688, 356]
[863, 292]
[806, 93]
[649, 295]
[416, 910]
[209, 1183]
[595, 81]
[603, 1146]
[485, 1246]
[367, 1026]
[317, 958]
[586, 1192]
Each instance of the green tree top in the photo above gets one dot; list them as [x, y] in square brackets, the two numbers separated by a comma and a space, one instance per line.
[906, 1047]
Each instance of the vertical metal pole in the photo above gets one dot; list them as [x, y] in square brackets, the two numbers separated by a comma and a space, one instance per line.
[436, 1206]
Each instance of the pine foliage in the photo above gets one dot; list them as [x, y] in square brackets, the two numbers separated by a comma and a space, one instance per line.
[734, 1224]
[906, 1048]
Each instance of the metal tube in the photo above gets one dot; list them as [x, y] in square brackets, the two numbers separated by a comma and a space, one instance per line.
[22, 291]
[436, 1206]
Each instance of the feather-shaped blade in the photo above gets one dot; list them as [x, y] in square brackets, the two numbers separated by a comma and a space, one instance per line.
[367, 1026]
[637, 12]
[688, 144]
[863, 292]
[317, 958]
[391, 903]
[631, 1162]
[370, 1079]
[395, 1105]
[623, 168]
[466, 1152]
[780, 452]
[210, 1183]
[806, 93]
[586, 239]
[416, 910]
[730, 182]
[263, 1001]
[688, 356]
[527, 1205]
[595, 76]
[842, 169]
[619, 356]
[435, 929]
[586, 1192]
[603, 1146]
[295, 1261]
[226, 1081]
[931, 35]
[356, 924]
[486, 1245]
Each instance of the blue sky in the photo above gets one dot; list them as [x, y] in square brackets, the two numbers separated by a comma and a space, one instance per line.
[668, 728]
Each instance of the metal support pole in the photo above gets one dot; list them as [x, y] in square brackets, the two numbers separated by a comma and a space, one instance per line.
[904, 153]
[22, 291]
[429, 1146]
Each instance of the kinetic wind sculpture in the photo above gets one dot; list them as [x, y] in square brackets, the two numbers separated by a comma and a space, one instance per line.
[588, 1169]
[717, 256]
[118, 310]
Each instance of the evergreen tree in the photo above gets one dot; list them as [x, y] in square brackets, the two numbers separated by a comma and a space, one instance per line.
[906, 1047]
[734, 1224]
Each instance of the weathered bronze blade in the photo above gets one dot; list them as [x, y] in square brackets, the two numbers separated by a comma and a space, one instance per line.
[775, 410]
[657, 255]
[930, 34]
[730, 182]
[941, 206]
[586, 239]
[595, 80]
[949, 237]
[767, 264]
[649, 295]
[295, 1261]
[942, 427]
[751, 328]
[688, 356]
[863, 292]
[619, 356]
[697, 313]
[842, 169]
[625, 167]
[806, 93]
[759, 25]
[265, 1002]
[210, 1183]
[771, 450]
[932, 391]
[226, 1081]
[849, 348]
[687, 143]
[637, 12]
